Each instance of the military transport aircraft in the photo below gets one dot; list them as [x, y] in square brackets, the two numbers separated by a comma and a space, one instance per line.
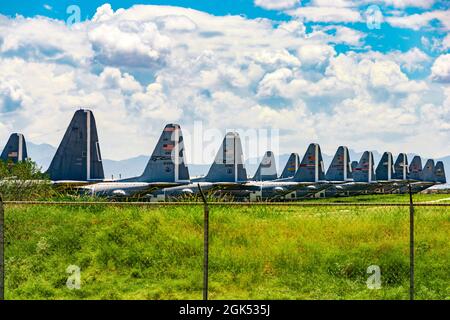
[15, 149]
[226, 174]
[310, 178]
[166, 167]
[291, 166]
[77, 160]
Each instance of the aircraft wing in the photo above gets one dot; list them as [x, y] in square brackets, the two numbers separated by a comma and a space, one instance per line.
[228, 186]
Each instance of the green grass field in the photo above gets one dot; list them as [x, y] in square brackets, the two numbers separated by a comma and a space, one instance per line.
[257, 252]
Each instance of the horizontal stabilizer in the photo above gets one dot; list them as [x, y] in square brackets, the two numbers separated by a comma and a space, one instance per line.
[291, 166]
[364, 170]
[78, 156]
[15, 149]
[340, 166]
[267, 169]
[311, 168]
[228, 166]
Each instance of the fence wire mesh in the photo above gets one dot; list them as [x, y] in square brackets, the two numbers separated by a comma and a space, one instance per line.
[266, 251]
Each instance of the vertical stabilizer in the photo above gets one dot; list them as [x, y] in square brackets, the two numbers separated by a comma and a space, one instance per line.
[415, 169]
[401, 168]
[439, 172]
[354, 164]
[340, 168]
[167, 163]
[78, 156]
[267, 169]
[15, 149]
[364, 170]
[311, 168]
[228, 166]
[428, 171]
[291, 166]
[385, 168]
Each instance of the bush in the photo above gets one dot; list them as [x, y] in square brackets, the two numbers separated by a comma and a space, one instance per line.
[24, 181]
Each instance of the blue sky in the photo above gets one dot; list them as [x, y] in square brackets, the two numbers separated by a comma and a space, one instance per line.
[314, 70]
[384, 39]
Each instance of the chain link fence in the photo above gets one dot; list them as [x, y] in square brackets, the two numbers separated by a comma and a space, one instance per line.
[256, 251]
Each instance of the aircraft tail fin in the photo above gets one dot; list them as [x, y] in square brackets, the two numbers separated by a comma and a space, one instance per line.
[340, 168]
[439, 172]
[167, 163]
[354, 164]
[415, 169]
[228, 166]
[364, 170]
[291, 166]
[267, 169]
[311, 168]
[401, 169]
[78, 156]
[385, 168]
[15, 149]
[428, 171]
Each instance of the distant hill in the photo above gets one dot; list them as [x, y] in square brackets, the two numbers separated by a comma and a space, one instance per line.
[42, 154]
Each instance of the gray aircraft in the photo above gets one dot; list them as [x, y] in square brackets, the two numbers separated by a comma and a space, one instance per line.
[78, 160]
[358, 178]
[439, 173]
[339, 172]
[15, 149]
[399, 177]
[309, 179]
[423, 178]
[385, 174]
[267, 169]
[291, 166]
[165, 168]
[225, 175]
[363, 174]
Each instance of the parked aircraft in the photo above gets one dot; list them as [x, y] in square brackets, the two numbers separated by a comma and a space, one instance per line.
[399, 177]
[229, 176]
[226, 173]
[166, 167]
[267, 169]
[78, 160]
[78, 164]
[364, 180]
[310, 178]
[439, 172]
[15, 149]
[340, 171]
[291, 166]
[421, 178]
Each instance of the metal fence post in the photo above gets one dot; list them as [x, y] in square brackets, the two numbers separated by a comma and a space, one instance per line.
[411, 244]
[2, 250]
[205, 244]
